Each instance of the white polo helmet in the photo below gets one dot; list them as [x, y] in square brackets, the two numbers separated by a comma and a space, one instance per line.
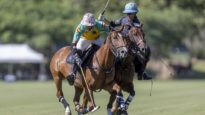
[88, 20]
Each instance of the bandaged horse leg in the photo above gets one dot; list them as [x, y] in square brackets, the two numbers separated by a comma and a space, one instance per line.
[66, 105]
[115, 88]
[120, 101]
[130, 89]
[60, 95]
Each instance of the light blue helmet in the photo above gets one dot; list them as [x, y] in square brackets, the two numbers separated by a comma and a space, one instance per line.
[130, 8]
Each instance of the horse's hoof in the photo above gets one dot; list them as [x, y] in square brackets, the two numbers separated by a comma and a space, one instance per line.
[95, 108]
[120, 112]
[67, 111]
[84, 111]
[79, 113]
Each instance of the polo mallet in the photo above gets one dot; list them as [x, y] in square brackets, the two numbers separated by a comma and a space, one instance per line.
[89, 92]
[108, 1]
[102, 13]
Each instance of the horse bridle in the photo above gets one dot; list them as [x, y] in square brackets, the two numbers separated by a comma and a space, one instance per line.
[114, 50]
[135, 47]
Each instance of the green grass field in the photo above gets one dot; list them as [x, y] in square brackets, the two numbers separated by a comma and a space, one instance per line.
[168, 98]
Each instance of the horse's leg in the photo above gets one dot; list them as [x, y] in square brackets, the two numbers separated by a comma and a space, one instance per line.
[110, 103]
[92, 106]
[76, 99]
[85, 101]
[59, 94]
[130, 89]
[85, 109]
[115, 88]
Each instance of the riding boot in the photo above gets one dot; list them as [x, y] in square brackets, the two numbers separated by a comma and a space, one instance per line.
[71, 77]
[140, 69]
[77, 54]
[144, 76]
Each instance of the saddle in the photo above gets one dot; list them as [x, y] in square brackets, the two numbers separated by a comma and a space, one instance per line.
[88, 54]
[86, 57]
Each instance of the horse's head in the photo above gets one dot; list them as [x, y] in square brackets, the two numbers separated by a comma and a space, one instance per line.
[118, 44]
[139, 43]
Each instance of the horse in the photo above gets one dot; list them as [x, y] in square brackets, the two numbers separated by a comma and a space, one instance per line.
[125, 70]
[99, 74]
[124, 73]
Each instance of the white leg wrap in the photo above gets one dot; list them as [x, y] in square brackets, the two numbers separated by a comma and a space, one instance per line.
[67, 111]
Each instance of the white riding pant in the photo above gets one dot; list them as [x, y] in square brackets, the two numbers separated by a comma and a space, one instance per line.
[83, 43]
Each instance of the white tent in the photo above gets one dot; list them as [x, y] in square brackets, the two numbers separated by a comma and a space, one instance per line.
[19, 53]
[11, 54]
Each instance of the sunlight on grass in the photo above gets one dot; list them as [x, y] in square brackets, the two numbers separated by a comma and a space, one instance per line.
[174, 97]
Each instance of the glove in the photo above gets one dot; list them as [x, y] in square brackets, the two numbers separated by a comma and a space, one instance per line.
[101, 17]
[74, 45]
[74, 49]
[78, 61]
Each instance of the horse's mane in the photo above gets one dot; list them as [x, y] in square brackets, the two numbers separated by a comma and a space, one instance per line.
[137, 31]
[113, 33]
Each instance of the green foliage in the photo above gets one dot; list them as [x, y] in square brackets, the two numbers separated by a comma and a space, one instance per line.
[50, 23]
[31, 21]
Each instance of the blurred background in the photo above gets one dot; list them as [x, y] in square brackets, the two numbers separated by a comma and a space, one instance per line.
[175, 31]
[31, 31]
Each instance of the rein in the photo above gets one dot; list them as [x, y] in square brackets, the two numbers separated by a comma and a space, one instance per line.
[106, 70]
[139, 53]
[113, 50]
[133, 37]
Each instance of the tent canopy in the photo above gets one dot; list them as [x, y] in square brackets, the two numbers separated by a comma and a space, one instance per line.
[19, 53]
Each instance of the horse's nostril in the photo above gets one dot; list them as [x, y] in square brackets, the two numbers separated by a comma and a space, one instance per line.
[122, 52]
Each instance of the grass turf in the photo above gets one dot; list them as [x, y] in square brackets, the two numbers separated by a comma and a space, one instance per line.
[173, 97]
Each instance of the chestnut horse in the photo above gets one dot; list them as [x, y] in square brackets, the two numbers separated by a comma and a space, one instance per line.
[125, 70]
[99, 73]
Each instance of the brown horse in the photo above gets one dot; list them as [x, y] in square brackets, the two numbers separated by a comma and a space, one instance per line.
[99, 73]
[125, 69]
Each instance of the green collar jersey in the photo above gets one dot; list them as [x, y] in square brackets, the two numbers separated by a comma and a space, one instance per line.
[92, 34]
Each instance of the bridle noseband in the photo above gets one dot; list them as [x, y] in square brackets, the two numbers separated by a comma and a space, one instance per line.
[114, 48]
